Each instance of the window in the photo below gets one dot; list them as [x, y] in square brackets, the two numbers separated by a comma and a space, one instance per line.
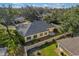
[28, 38]
[45, 33]
[55, 31]
[41, 34]
[35, 36]
[63, 54]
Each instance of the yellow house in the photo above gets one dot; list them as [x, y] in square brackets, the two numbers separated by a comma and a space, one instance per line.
[35, 30]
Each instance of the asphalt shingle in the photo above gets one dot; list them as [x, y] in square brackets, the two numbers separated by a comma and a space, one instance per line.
[33, 28]
[36, 27]
[71, 44]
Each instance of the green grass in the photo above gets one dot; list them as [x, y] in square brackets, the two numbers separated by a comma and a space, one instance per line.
[49, 51]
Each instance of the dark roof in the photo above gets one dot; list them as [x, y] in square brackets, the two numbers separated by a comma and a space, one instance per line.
[34, 27]
[71, 44]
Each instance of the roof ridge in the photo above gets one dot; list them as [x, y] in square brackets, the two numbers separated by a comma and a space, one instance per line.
[28, 28]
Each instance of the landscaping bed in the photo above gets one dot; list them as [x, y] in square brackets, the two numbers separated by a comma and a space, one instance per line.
[37, 40]
[57, 36]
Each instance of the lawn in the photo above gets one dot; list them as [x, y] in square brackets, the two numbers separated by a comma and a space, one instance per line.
[49, 51]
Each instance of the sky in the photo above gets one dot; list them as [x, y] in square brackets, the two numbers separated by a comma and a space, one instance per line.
[49, 5]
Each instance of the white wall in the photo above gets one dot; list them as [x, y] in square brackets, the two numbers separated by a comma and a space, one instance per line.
[51, 29]
[38, 36]
[62, 50]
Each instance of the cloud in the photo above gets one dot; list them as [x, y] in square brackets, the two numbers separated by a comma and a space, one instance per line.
[45, 5]
[50, 5]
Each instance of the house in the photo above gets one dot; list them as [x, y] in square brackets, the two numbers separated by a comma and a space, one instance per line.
[19, 19]
[3, 51]
[35, 30]
[15, 20]
[69, 46]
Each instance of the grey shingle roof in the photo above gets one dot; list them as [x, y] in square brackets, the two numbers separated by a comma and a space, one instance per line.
[71, 44]
[19, 18]
[3, 51]
[36, 27]
[22, 28]
[33, 28]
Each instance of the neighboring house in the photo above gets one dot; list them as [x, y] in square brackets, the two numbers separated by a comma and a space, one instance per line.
[19, 19]
[69, 46]
[13, 21]
[35, 30]
[3, 51]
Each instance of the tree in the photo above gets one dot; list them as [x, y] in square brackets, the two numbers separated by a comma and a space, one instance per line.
[70, 21]
[12, 41]
[31, 13]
